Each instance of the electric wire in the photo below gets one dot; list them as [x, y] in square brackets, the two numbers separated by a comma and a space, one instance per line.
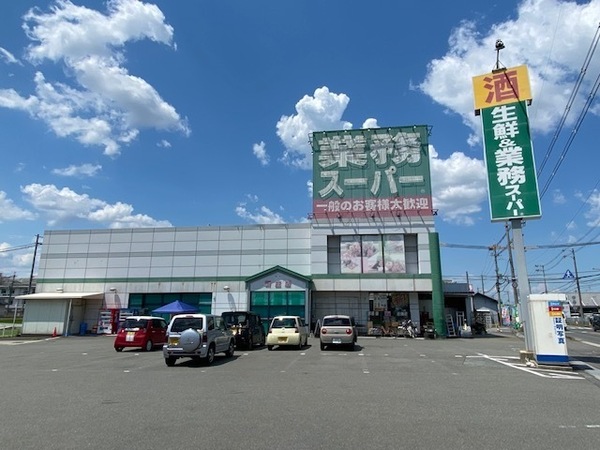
[574, 92]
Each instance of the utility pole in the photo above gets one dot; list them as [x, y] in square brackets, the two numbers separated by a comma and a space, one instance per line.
[473, 314]
[494, 248]
[14, 303]
[513, 278]
[37, 242]
[577, 283]
[544, 275]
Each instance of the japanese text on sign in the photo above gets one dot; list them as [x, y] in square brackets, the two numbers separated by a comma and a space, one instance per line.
[501, 86]
[559, 330]
[381, 170]
[509, 159]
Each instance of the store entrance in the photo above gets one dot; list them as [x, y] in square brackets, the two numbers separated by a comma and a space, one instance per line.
[387, 312]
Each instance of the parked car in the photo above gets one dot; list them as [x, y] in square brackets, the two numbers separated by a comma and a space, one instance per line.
[247, 328]
[337, 330]
[595, 320]
[287, 330]
[197, 336]
[144, 332]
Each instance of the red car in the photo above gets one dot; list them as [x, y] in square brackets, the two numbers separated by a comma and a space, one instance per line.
[144, 332]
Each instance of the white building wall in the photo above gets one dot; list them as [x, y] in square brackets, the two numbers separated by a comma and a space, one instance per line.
[163, 260]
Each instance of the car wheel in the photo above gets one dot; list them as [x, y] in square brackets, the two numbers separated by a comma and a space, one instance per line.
[230, 350]
[263, 340]
[210, 355]
[322, 346]
[170, 361]
[269, 347]
[119, 349]
[250, 345]
[149, 345]
[351, 347]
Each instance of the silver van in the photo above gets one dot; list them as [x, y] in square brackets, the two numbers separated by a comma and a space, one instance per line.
[197, 336]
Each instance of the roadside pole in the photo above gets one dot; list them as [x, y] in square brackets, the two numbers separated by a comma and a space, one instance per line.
[522, 281]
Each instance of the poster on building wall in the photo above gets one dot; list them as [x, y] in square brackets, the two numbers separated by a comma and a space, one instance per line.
[351, 254]
[393, 249]
[382, 172]
[372, 254]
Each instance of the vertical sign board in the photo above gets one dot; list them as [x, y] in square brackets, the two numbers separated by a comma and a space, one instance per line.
[381, 172]
[512, 181]
[502, 97]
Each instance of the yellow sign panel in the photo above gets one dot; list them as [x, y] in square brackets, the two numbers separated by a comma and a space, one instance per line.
[501, 86]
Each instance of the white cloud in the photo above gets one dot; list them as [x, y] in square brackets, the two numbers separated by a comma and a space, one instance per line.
[262, 215]
[9, 211]
[558, 198]
[106, 106]
[84, 170]
[309, 187]
[322, 111]
[594, 213]
[15, 258]
[60, 205]
[164, 144]
[8, 57]
[261, 154]
[459, 186]
[120, 215]
[553, 61]
[459, 183]
[370, 123]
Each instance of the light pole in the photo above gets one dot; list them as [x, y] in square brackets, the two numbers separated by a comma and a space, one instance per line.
[578, 287]
[544, 275]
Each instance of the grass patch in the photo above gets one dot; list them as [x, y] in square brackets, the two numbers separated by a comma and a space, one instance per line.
[9, 320]
[7, 331]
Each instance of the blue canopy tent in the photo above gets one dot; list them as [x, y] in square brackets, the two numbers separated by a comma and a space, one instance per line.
[176, 307]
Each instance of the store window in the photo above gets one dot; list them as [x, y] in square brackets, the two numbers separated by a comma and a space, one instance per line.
[387, 253]
[146, 303]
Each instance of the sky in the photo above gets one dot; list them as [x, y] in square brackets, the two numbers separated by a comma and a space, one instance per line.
[193, 113]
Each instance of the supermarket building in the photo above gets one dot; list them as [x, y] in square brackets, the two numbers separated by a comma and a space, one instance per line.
[369, 249]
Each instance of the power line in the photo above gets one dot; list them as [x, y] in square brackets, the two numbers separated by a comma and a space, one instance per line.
[578, 82]
[14, 249]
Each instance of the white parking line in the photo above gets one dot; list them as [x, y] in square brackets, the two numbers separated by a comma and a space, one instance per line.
[514, 362]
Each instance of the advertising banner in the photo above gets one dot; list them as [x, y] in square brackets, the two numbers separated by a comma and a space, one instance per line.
[512, 181]
[501, 86]
[381, 172]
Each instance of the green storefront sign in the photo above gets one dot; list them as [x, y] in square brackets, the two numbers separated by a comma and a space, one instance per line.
[368, 172]
[512, 181]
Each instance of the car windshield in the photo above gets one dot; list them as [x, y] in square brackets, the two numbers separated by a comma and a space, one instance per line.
[232, 319]
[284, 323]
[183, 323]
[135, 323]
[336, 322]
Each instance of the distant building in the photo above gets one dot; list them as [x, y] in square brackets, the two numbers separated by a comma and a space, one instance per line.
[11, 287]
[590, 301]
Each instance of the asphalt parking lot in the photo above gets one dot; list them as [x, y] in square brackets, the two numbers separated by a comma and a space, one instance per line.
[77, 392]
